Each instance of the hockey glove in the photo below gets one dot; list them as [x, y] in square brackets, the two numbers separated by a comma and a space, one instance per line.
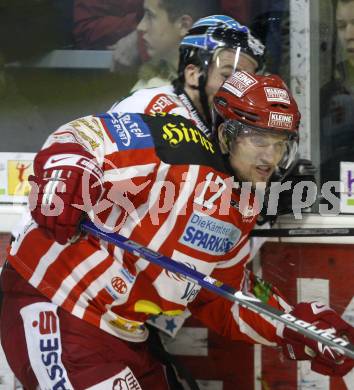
[303, 170]
[324, 360]
[66, 183]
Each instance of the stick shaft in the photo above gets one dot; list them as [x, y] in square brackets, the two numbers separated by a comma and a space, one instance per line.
[216, 286]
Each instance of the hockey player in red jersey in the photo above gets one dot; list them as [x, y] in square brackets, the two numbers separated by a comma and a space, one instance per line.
[74, 307]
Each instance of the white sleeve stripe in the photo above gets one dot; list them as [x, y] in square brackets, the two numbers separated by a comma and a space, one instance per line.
[187, 190]
[142, 211]
[45, 261]
[81, 269]
[247, 329]
[92, 291]
[287, 308]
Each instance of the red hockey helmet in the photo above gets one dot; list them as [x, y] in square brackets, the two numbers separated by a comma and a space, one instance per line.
[248, 103]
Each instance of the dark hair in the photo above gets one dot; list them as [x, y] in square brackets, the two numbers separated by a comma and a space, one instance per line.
[195, 8]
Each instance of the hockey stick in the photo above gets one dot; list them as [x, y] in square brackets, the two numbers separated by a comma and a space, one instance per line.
[306, 232]
[325, 337]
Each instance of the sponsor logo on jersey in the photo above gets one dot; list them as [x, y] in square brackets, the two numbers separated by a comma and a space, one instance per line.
[177, 276]
[175, 135]
[239, 83]
[43, 342]
[160, 103]
[191, 291]
[209, 235]
[129, 131]
[278, 95]
[124, 380]
[119, 285]
[49, 347]
[278, 119]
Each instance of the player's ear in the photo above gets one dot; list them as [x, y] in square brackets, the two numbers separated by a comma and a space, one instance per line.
[191, 75]
[184, 23]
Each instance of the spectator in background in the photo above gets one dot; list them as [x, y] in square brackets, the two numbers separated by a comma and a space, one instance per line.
[345, 31]
[164, 24]
[337, 99]
[213, 49]
[99, 24]
[238, 9]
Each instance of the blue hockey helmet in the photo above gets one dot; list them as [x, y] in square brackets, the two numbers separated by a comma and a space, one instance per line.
[211, 33]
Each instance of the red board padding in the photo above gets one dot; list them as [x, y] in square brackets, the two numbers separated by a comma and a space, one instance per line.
[282, 264]
[229, 362]
[232, 362]
[4, 242]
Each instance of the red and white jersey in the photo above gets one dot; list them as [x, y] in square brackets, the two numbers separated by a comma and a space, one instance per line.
[153, 101]
[164, 99]
[167, 188]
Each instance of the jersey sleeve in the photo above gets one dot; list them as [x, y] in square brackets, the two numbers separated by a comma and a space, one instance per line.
[113, 140]
[123, 147]
[152, 101]
[87, 133]
[230, 319]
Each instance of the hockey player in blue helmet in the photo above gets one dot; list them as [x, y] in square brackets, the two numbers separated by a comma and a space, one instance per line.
[217, 44]
[213, 48]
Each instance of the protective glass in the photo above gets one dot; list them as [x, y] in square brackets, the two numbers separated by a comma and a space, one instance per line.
[233, 60]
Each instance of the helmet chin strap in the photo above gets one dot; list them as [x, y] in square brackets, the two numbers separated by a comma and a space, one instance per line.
[204, 98]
